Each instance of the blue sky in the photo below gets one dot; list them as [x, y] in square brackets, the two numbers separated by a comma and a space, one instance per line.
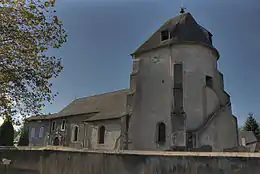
[102, 34]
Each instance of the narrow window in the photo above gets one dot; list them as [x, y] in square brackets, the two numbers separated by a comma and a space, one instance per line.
[165, 35]
[63, 125]
[33, 132]
[178, 89]
[101, 135]
[53, 125]
[178, 74]
[75, 133]
[209, 82]
[127, 122]
[161, 133]
[190, 141]
[41, 132]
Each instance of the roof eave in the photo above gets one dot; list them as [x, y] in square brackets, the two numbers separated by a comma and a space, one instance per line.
[136, 53]
[101, 119]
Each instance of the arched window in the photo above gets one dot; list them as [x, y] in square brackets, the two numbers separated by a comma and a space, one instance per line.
[75, 133]
[101, 135]
[161, 133]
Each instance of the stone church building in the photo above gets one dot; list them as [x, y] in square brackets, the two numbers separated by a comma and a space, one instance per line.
[176, 98]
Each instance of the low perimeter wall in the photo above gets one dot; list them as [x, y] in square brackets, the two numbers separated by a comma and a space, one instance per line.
[50, 160]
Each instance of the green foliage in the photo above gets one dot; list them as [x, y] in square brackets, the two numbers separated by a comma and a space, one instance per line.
[24, 137]
[29, 28]
[252, 125]
[7, 133]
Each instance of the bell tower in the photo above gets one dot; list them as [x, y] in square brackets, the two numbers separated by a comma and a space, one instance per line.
[177, 92]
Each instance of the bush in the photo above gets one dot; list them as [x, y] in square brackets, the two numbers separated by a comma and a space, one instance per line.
[7, 133]
[24, 137]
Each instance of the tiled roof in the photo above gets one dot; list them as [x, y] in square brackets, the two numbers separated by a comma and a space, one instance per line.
[42, 117]
[103, 106]
[183, 28]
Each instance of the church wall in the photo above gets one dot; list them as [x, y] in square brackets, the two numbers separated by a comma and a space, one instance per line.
[212, 101]
[36, 140]
[198, 61]
[221, 132]
[152, 103]
[112, 134]
[218, 84]
[71, 121]
[153, 95]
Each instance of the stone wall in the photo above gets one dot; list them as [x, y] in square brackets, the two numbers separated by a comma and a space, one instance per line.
[111, 137]
[70, 161]
[36, 140]
[153, 104]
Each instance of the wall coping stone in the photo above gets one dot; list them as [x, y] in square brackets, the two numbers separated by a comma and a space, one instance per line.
[135, 152]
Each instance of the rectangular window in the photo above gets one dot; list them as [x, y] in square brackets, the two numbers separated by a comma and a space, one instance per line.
[127, 122]
[33, 132]
[41, 132]
[75, 133]
[63, 125]
[209, 82]
[165, 35]
[161, 133]
[177, 90]
[101, 135]
[190, 142]
[177, 74]
[53, 126]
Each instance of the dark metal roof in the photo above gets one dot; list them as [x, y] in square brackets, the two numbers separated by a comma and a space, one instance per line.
[183, 28]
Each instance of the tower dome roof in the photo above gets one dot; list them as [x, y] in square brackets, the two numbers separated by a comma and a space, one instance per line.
[182, 28]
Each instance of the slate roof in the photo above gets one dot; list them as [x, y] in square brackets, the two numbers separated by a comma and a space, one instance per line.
[42, 117]
[183, 28]
[102, 106]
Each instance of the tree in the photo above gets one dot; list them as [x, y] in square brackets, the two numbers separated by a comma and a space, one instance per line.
[7, 133]
[24, 136]
[252, 125]
[28, 29]
[16, 133]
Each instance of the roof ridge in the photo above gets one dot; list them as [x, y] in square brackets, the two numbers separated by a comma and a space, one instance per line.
[102, 94]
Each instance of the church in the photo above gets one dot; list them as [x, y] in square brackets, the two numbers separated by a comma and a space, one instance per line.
[176, 99]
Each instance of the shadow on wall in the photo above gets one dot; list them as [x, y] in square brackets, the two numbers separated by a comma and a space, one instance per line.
[16, 171]
[62, 161]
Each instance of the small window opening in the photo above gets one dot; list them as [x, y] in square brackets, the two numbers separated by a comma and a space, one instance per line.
[210, 38]
[127, 122]
[165, 35]
[162, 81]
[63, 124]
[101, 135]
[53, 125]
[190, 142]
[161, 133]
[75, 133]
[209, 81]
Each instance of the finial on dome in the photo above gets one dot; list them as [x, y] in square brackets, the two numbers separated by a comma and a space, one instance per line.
[182, 10]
